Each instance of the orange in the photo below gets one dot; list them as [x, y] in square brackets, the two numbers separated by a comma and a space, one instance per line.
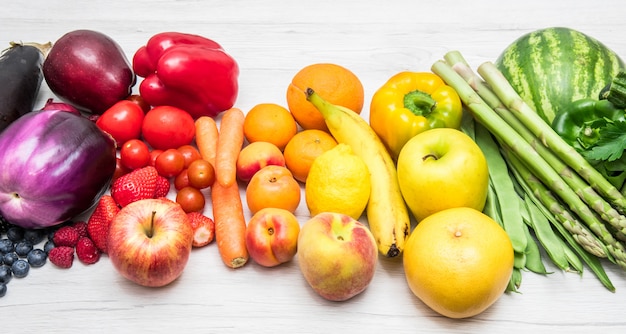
[303, 148]
[458, 262]
[273, 187]
[271, 123]
[334, 83]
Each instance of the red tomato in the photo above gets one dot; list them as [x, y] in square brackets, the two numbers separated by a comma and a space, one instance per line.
[135, 154]
[153, 155]
[166, 127]
[190, 153]
[182, 180]
[201, 174]
[122, 121]
[170, 163]
[190, 199]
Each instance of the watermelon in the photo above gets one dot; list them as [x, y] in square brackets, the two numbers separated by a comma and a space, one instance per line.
[552, 67]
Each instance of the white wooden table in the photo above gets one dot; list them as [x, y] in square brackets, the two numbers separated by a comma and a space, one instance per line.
[272, 40]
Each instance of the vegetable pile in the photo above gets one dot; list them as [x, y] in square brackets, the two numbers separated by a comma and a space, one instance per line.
[552, 185]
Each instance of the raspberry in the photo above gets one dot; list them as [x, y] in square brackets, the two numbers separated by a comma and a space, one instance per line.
[65, 236]
[81, 228]
[86, 251]
[62, 256]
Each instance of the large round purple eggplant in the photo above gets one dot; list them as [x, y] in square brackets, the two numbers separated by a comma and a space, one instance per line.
[54, 165]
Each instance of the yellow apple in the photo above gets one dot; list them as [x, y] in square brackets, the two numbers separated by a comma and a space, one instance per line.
[272, 236]
[442, 168]
[337, 255]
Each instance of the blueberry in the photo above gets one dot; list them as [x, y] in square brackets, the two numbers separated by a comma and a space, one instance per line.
[3, 289]
[15, 233]
[20, 268]
[37, 257]
[9, 258]
[23, 247]
[48, 246]
[5, 274]
[35, 236]
[6, 246]
[1, 258]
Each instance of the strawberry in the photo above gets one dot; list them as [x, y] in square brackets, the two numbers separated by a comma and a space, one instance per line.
[62, 256]
[138, 184]
[203, 229]
[99, 221]
[65, 236]
[162, 187]
[86, 251]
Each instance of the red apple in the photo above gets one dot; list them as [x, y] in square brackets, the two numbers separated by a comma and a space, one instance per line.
[255, 156]
[337, 255]
[272, 236]
[149, 241]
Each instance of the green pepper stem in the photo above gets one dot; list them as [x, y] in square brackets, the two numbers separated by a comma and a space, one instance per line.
[419, 103]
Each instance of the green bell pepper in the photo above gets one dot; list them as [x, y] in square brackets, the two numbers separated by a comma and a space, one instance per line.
[580, 124]
[583, 125]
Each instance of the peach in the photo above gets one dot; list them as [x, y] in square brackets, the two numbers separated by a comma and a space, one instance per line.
[272, 236]
[337, 255]
[255, 156]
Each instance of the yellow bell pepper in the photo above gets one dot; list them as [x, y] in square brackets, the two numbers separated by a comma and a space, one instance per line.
[410, 103]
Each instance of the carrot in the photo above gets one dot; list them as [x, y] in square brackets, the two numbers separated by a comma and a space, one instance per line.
[206, 138]
[229, 145]
[230, 224]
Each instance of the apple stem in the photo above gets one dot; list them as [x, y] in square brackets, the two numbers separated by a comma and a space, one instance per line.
[429, 156]
[151, 229]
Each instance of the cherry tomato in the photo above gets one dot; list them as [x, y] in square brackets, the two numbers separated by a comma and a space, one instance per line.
[123, 121]
[181, 180]
[201, 174]
[135, 154]
[167, 127]
[120, 169]
[153, 155]
[190, 199]
[190, 153]
[170, 163]
[135, 98]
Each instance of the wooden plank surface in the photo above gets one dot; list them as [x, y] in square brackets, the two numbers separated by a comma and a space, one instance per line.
[272, 40]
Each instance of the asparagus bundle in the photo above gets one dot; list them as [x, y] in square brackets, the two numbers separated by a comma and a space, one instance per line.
[558, 184]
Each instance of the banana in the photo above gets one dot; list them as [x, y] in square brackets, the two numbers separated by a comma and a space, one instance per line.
[387, 214]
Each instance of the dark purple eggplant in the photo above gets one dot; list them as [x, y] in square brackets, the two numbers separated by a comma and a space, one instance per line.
[20, 79]
[89, 70]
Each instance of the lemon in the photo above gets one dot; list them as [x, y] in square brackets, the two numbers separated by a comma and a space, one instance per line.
[339, 182]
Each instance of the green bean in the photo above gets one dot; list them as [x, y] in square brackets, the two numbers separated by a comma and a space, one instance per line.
[574, 260]
[491, 206]
[516, 280]
[533, 255]
[507, 197]
[546, 236]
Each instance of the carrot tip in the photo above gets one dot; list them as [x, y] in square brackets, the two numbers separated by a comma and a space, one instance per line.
[238, 262]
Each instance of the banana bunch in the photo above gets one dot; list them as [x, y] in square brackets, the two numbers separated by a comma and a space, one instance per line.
[387, 214]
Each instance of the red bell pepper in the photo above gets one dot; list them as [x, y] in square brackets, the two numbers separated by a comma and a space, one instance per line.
[187, 71]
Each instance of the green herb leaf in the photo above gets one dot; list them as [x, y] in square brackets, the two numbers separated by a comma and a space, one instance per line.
[611, 144]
